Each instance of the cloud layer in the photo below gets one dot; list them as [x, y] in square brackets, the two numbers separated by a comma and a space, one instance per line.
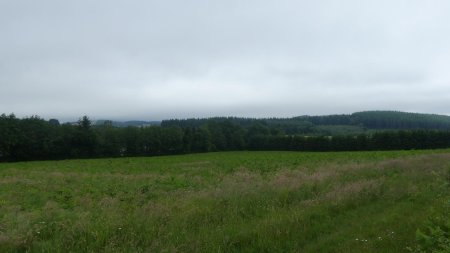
[165, 59]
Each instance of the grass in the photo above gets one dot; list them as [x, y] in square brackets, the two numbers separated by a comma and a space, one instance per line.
[223, 202]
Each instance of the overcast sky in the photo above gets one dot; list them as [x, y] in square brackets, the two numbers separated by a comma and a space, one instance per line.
[154, 60]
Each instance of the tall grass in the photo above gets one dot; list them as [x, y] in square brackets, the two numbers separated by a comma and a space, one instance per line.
[222, 202]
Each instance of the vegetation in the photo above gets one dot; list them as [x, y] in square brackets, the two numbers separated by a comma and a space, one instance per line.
[36, 139]
[227, 202]
[435, 236]
[353, 123]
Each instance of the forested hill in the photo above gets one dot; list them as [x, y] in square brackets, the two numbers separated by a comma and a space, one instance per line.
[332, 124]
[38, 139]
[383, 120]
[400, 120]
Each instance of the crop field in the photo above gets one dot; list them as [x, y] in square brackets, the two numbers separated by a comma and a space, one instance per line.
[225, 202]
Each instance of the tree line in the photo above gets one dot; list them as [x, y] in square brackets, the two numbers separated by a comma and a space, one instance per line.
[356, 123]
[34, 138]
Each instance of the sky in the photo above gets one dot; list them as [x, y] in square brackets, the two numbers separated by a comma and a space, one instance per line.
[154, 60]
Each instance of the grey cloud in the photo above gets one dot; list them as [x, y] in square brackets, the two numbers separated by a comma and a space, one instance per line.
[164, 59]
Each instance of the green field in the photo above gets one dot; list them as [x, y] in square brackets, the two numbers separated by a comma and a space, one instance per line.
[224, 202]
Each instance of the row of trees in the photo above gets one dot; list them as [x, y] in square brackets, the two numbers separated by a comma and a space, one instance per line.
[389, 140]
[37, 139]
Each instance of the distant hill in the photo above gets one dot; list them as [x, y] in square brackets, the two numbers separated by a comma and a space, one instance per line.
[358, 122]
[383, 120]
[135, 123]
[401, 120]
[345, 123]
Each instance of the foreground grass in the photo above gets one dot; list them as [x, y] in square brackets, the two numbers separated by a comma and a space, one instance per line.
[223, 202]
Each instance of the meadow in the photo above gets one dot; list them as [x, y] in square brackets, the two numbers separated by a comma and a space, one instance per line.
[224, 202]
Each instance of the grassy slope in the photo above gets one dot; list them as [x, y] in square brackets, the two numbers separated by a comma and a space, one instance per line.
[222, 202]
